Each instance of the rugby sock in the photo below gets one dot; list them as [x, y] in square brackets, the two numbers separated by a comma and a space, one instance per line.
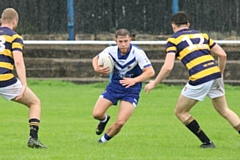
[33, 124]
[104, 120]
[237, 128]
[194, 127]
[104, 138]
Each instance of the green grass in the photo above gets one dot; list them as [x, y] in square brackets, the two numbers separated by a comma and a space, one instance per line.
[152, 133]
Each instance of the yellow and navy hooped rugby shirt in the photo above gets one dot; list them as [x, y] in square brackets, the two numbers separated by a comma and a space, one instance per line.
[192, 48]
[9, 41]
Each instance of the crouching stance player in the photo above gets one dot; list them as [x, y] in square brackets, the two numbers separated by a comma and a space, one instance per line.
[195, 50]
[131, 68]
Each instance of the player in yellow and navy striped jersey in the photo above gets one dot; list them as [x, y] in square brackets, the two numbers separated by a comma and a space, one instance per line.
[10, 41]
[15, 88]
[195, 50]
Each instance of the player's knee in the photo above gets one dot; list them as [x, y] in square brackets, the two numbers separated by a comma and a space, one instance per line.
[38, 101]
[97, 115]
[177, 112]
[35, 102]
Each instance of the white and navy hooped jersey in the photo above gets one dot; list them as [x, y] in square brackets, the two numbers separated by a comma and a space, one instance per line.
[129, 65]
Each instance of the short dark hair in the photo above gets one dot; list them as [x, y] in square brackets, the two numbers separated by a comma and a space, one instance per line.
[180, 18]
[122, 32]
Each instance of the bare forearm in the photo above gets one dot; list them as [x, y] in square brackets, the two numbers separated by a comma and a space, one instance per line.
[21, 72]
[222, 57]
[147, 74]
[163, 73]
[222, 64]
[95, 62]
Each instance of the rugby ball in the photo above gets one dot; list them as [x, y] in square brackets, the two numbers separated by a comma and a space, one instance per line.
[105, 60]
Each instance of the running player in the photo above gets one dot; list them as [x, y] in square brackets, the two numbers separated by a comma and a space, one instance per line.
[195, 49]
[132, 67]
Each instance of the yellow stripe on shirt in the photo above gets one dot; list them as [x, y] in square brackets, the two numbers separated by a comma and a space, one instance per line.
[198, 61]
[7, 52]
[17, 45]
[6, 65]
[173, 48]
[204, 73]
[187, 51]
[4, 77]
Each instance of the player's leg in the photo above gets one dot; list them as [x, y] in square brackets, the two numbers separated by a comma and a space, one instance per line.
[182, 109]
[33, 103]
[189, 97]
[217, 94]
[99, 113]
[100, 108]
[221, 107]
[125, 111]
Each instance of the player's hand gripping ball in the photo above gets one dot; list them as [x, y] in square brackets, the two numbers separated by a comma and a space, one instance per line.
[105, 60]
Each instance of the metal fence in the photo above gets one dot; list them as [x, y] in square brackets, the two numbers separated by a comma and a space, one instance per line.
[139, 16]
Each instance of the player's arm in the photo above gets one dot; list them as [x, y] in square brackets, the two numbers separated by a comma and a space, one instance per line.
[166, 68]
[222, 56]
[147, 69]
[163, 73]
[147, 73]
[21, 70]
[95, 64]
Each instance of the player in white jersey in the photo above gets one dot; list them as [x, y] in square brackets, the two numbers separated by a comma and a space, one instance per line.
[131, 68]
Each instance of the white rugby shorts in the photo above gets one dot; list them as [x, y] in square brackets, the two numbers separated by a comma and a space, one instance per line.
[213, 89]
[11, 91]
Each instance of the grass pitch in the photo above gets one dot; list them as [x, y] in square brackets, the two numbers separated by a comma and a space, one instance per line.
[152, 133]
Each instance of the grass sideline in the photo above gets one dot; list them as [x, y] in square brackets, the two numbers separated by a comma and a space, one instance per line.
[152, 133]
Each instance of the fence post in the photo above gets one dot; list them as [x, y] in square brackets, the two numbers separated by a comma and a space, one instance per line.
[70, 8]
[175, 6]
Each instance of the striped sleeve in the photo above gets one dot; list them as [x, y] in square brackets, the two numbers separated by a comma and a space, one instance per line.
[17, 44]
[211, 42]
[171, 46]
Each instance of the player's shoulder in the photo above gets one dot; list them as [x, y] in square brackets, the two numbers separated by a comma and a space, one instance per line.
[111, 49]
[10, 35]
[136, 49]
[186, 31]
[199, 32]
[179, 34]
[137, 52]
[17, 35]
[9, 32]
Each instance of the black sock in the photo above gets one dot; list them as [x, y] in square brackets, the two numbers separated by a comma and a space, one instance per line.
[194, 127]
[33, 124]
[237, 128]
